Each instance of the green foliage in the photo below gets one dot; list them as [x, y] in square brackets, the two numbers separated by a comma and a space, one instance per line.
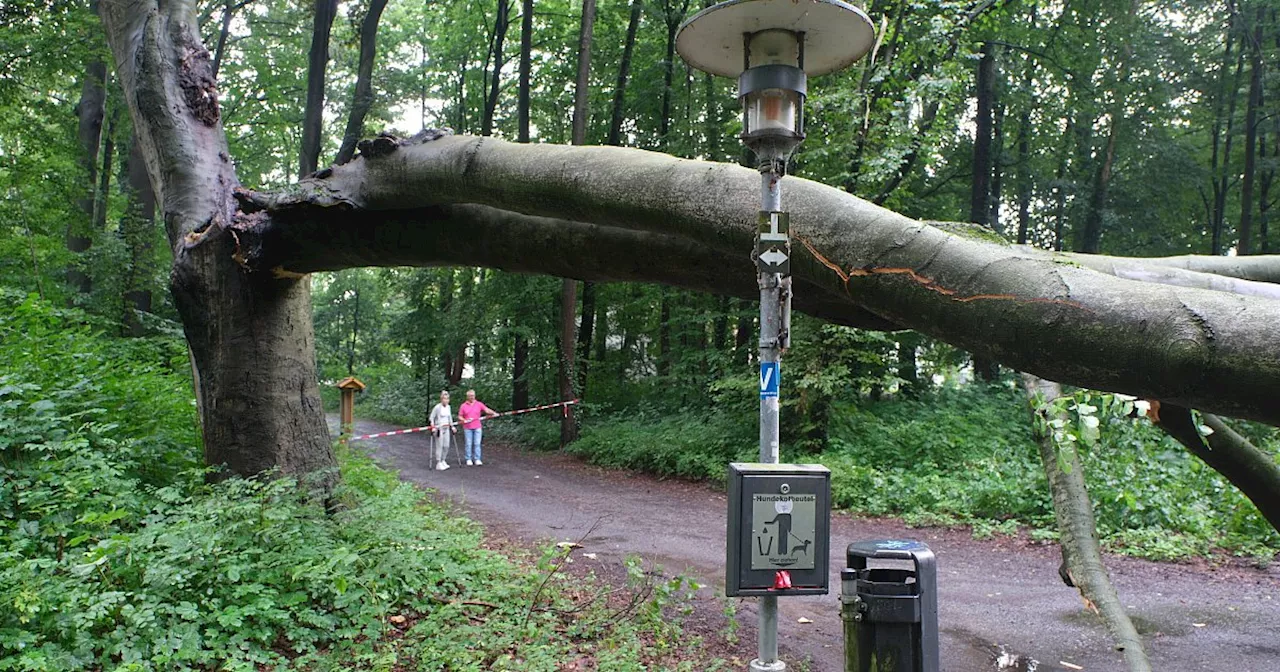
[965, 453]
[669, 445]
[117, 552]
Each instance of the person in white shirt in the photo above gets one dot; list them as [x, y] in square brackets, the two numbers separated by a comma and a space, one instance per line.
[441, 419]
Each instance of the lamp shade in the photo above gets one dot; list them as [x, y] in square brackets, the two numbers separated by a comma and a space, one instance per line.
[835, 33]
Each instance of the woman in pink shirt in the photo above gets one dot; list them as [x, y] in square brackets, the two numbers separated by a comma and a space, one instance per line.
[469, 414]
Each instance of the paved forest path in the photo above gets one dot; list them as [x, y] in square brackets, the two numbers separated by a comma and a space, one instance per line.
[1003, 591]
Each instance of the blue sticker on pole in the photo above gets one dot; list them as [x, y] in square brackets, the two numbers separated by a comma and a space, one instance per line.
[769, 374]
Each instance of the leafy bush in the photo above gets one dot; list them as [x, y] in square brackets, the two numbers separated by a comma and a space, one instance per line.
[667, 444]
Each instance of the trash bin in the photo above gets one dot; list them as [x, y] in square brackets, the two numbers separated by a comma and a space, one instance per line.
[889, 605]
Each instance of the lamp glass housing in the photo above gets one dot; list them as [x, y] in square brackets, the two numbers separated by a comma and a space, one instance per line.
[774, 46]
[772, 92]
[772, 110]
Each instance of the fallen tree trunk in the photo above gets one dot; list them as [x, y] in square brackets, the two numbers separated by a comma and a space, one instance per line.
[1197, 347]
[1077, 529]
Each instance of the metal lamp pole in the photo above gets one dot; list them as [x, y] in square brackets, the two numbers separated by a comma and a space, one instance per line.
[775, 330]
[772, 46]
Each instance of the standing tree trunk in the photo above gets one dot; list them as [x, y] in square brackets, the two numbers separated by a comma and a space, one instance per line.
[1217, 213]
[1222, 185]
[362, 100]
[664, 333]
[251, 338]
[1251, 136]
[520, 372]
[586, 334]
[1060, 189]
[526, 66]
[997, 166]
[355, 328]
[568, 304]
[520, 351]
[138, 228]
[1024, 178]
[91, 110]
[980, 195]
[1090, 239]
[317, 63]
[103, 200]
[624, 71]
[581, 97]
[569, 288]
[500, 24]
[673, 17]
[914, 386]
[720, 327]
[228, 10]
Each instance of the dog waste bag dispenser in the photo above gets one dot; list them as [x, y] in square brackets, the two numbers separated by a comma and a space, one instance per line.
[889, 602]
[778, 530]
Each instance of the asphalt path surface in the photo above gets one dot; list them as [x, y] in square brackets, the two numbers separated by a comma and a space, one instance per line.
[994, 595]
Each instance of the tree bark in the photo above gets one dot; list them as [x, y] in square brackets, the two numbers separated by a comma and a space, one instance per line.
[362, 99]
[91, 111]
[250, 334]
[624, 71]
[1077, 528]
[500, 24]
[1255, 269]
[1195, 347]
[317, 64]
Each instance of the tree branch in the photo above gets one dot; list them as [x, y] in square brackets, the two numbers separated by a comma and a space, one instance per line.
[1077, 527]
[1199, 272]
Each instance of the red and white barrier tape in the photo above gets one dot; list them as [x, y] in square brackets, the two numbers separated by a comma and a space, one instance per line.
[411, 430]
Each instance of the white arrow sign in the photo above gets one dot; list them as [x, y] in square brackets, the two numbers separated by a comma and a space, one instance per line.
[773, 257]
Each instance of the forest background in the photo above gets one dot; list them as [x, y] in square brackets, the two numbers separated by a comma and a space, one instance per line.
[1142, 128]
[1100, 126]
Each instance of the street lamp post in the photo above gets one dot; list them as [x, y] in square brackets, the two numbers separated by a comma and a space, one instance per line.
[772, 46]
